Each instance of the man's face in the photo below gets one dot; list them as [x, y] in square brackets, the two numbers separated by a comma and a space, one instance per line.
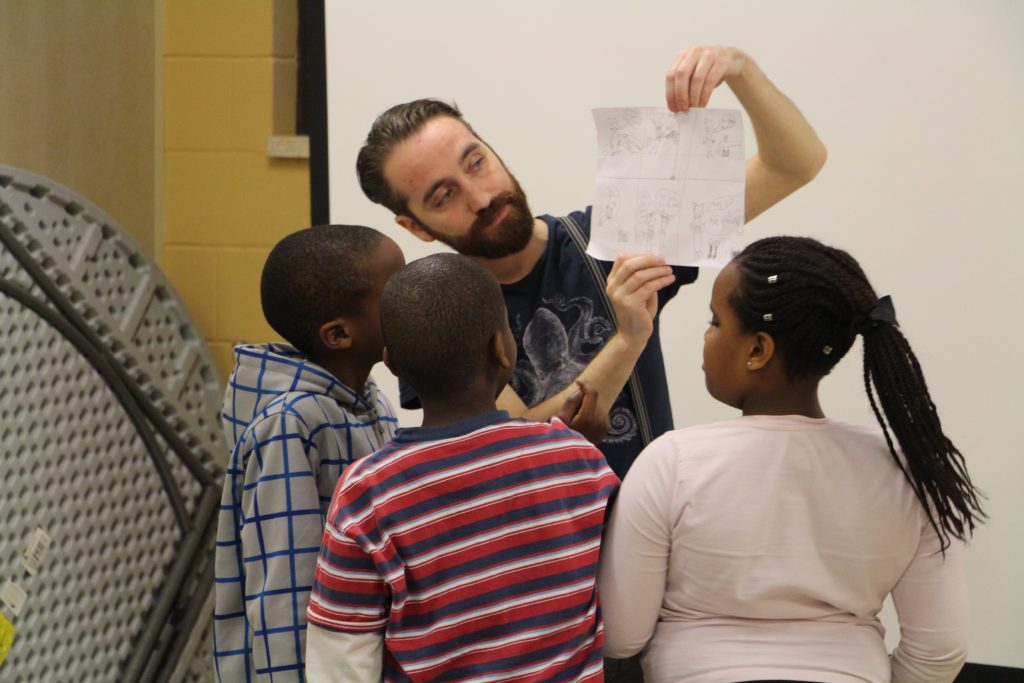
[459, 192]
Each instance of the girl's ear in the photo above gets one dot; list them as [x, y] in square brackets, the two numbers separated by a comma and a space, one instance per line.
[761, 351]
[334, 335]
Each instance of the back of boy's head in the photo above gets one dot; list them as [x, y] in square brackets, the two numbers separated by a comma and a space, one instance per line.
[316, 275]
[438, 315]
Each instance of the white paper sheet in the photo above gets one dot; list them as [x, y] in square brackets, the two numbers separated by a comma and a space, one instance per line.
[669, 184]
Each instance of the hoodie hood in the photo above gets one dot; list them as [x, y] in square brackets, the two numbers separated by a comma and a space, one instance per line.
[263, 372]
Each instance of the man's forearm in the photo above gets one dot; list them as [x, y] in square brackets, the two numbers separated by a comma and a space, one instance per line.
[789, 152]
[632, 287]
[607, 373]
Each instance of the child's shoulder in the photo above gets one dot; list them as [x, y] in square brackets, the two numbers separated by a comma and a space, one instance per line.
[438, 447]
[305, 416]
[709, 431]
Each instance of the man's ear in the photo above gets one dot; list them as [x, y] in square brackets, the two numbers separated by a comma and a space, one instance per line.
[413, 226]
[335, 335]
[762, 350]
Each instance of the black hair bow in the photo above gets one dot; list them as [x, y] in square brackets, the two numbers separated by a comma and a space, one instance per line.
[882, 313]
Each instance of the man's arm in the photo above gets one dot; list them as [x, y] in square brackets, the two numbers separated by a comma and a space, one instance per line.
[789, 153]
[632, 287]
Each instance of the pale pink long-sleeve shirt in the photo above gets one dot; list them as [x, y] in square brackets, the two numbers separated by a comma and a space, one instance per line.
[763, 548]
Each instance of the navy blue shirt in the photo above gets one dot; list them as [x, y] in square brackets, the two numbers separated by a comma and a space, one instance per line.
[560, 324]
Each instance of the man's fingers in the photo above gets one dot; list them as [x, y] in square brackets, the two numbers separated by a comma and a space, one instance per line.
[571, 406]
[714, 78]
[652, 278]
[627, 264]
[677, 82]
[697, 81]
[696, 72]
[656, 285]
[588, 406]
[620, 262]
[587, 421]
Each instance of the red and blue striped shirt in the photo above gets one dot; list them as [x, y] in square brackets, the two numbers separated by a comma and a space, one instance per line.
[473, 549]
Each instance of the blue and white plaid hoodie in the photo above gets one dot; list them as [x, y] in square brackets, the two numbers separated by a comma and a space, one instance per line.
[294, 427]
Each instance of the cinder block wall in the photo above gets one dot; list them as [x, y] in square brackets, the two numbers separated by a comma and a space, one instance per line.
[228, 84]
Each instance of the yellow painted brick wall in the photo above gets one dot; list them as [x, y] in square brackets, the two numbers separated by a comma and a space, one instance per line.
[228, 85]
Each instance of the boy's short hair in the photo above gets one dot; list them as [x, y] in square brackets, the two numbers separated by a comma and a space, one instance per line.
[438, 315]
[316, 275]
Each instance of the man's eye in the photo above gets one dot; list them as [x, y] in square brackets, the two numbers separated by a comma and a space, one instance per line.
[442, 198]
[478, 162]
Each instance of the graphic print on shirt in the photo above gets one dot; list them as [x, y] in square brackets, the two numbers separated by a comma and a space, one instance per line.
[555, 345]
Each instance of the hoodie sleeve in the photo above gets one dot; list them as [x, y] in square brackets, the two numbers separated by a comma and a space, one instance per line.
[278, 525]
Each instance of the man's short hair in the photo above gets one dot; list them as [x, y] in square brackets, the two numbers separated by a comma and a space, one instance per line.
[438, 315]
[316, 275]
[391, 128]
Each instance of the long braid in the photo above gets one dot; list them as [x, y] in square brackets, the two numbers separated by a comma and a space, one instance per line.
[814, 300]
[934, 465]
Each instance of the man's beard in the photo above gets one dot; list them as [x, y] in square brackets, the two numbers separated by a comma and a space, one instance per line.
[508, 237]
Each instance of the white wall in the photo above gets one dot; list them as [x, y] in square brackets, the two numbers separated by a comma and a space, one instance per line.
[921, 105]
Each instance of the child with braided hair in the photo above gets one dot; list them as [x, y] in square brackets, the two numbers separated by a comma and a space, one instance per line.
[762, 548]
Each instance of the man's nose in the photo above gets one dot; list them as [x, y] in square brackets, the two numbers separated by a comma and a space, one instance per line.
[479, 199]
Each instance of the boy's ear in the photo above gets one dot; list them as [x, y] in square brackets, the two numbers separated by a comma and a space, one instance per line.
[386, 357]
[762, 350]
[499, 348]
[335, 335]
[413, 226]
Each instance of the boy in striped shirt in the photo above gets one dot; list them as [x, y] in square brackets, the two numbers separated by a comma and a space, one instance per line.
[467, 548]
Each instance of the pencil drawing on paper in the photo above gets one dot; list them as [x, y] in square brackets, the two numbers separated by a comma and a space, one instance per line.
[656, 215]
[720, 140]
[634, 132]
[606, 207]
[668, 184]
[715, 223]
